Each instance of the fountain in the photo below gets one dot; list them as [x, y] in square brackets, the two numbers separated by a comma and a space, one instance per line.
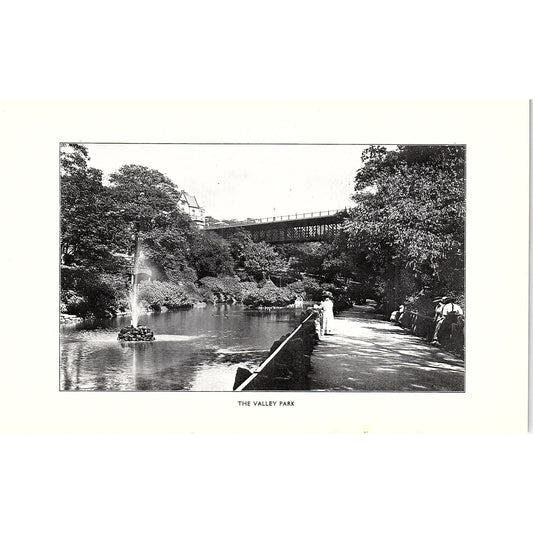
[136, 332]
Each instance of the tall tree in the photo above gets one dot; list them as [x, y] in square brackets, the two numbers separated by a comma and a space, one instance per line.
[145, 203]
[238, 243]
[409, 217]
[85, 225]
[258, 259]
[262, 261]
[305, 258]
[167, 249]
[210, 255]
[145, 198]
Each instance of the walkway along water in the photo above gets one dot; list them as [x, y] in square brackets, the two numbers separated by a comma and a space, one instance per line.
[364, 353]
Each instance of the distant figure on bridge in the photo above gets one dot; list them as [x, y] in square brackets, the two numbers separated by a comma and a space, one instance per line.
[327, 306]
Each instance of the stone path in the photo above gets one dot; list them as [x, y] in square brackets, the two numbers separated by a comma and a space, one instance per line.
[365, 353]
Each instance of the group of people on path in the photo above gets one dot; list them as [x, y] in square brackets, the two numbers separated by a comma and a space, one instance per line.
[447, 316]
[439, 320]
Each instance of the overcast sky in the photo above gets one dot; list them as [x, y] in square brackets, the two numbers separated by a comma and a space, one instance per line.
[246, 180]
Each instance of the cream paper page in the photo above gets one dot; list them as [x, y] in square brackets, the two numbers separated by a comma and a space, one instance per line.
[496, 134]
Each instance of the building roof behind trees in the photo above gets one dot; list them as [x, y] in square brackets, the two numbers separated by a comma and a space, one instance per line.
[189, 199]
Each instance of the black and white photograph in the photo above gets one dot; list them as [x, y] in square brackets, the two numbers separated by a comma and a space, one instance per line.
[222, 267]
[247, 247]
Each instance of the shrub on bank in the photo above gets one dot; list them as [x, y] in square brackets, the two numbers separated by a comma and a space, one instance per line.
[73, 303]
[341, 302]
[269, 296]
[225, 289]
[221, 289]
[158, 294]
[313, 290]
[247, 288]
[308, 288]
[298, 288]
[86, 292]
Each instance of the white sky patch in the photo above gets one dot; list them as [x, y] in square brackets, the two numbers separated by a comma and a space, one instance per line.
[241, 181]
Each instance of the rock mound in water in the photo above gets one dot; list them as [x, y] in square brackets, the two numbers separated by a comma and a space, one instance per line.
[139, 333]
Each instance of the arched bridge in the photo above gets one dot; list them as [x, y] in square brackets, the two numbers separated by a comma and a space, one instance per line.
[302, 227]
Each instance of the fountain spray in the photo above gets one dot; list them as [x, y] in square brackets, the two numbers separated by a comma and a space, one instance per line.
[135, 332]
[134, 291]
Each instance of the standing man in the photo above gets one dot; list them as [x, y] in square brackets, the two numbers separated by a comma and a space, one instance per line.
[448, 311]
[439, 304]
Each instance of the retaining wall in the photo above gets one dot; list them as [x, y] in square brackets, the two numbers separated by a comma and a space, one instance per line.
[288, 362]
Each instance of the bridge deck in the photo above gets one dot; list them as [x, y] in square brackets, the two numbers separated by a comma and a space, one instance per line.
[296, 218]
[368, 354]
[295, 228]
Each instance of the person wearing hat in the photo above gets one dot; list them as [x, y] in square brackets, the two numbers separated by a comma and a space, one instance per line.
[438, 303]
[448, 311]
[327, 306]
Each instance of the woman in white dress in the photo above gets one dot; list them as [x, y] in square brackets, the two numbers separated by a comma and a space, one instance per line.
[327, 306]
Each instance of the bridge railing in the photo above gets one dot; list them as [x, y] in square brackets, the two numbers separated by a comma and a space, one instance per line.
[283, 218]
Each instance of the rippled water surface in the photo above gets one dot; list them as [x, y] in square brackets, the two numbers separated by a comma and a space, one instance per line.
[195, 350]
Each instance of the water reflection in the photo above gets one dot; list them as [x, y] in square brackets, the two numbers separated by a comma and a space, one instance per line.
[197, 349]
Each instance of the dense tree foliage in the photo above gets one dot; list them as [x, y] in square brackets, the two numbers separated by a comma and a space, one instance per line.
[305, 258]
[210, 255]
[262, 261]
[258, 260]
[408, 219]
[145, 198]
[167, 252]
[85, 222]
[405, 232]
[102, 223]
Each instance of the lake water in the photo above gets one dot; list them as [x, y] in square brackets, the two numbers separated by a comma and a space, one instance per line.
[196, 349]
